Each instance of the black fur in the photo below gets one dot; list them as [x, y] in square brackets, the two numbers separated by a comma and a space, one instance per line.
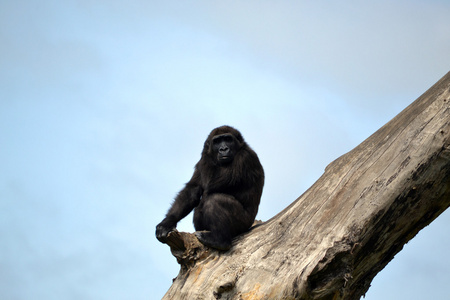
[224, 191]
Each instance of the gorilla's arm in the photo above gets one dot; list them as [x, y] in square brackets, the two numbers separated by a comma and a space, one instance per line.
[249, 199]
[186, 200]
[253, 181]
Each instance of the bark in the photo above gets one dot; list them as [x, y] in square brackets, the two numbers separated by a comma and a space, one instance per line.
[332, 241]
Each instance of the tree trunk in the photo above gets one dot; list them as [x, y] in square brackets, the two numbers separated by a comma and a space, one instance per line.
[332, 241]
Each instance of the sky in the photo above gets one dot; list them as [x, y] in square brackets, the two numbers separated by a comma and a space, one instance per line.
[105, 105]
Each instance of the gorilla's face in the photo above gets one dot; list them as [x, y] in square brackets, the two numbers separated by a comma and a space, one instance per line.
[224, 147]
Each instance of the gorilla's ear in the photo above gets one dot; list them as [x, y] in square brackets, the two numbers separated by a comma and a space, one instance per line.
[239, 137]
[239, 140]
[206, 148]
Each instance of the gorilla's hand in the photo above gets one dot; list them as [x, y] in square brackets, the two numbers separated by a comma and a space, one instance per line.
[163, 229]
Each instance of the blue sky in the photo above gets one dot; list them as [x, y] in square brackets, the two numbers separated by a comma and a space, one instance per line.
[104, 107]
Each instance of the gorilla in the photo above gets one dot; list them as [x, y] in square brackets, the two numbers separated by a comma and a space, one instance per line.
[224, 191]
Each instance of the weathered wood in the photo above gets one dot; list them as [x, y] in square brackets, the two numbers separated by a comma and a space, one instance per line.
[333, 240]
[186, 248]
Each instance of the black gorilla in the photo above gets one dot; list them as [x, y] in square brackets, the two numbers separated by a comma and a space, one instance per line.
[225, 191]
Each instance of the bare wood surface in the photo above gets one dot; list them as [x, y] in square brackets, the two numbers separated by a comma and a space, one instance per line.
[333, 240]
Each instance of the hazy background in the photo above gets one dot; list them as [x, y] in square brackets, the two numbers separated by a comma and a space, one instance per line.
[104, 107]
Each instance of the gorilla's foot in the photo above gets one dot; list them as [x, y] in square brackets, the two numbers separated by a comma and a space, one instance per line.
[207, 238]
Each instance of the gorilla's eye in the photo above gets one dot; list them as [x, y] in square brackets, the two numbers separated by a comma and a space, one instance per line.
[228, 138]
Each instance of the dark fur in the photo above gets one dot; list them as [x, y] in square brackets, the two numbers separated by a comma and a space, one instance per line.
[225, 197]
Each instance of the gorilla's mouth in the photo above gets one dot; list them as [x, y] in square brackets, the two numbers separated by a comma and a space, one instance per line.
[225, 158]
